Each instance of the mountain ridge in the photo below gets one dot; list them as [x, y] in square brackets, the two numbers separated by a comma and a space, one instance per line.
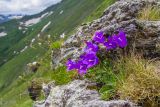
[5, 18]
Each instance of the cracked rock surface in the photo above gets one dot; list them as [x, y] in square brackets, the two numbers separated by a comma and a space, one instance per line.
[76, 94]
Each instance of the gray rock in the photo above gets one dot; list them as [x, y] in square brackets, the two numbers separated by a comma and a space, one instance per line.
[46, 88]
[143, 36]
[76, 94]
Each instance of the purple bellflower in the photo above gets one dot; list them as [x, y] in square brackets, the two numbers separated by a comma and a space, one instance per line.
[121, 39]
[90, 60]
[71, 65]
[110, 44]
[81, 67]
[91, 47]
[99, 37]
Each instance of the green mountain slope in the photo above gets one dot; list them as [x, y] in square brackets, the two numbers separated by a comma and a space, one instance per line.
[22, 46]
[74, 12]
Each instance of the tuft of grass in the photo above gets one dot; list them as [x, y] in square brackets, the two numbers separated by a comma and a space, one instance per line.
[57, 44]
[129, 78]
[141, 83]
[150, 13]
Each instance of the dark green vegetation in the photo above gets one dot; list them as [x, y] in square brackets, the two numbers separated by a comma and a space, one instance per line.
[14, 74]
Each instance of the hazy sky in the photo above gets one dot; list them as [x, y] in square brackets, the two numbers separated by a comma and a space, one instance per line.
[24, 6]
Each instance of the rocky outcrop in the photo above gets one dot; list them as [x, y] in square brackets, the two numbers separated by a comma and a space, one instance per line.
[143, 36]
[76, 94]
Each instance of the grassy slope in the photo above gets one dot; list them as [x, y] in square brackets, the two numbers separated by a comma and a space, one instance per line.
[99, 11]
[74, 13]
[73, 10]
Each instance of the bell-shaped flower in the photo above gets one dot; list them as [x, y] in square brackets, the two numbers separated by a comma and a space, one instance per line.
[71, 65]
[90, 60]
[91, 47]
[121, 39]
[99, 37]
[110, 44]
[81, 67]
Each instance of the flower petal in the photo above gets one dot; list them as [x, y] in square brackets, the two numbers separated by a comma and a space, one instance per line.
[99, 37]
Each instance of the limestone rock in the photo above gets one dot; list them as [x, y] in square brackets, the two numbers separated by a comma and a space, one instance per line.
[76, 94]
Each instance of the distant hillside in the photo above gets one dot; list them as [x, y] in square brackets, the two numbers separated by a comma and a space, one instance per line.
[5, 18]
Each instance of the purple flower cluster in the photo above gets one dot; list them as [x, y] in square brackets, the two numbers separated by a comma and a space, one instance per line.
[89, 59]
